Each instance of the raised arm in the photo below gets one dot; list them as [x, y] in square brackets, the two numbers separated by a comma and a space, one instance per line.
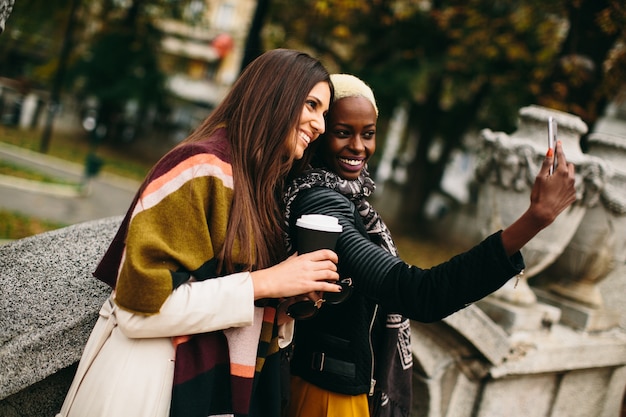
[421, 294]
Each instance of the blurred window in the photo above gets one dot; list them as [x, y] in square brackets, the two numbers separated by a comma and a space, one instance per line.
[225, 16]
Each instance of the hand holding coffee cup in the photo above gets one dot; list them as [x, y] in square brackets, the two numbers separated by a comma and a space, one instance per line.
[314, 232]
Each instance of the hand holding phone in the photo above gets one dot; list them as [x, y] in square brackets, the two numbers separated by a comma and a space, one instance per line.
[552, 131]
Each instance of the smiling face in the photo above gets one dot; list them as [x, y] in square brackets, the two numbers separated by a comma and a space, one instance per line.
[351, 137]
[312, 123]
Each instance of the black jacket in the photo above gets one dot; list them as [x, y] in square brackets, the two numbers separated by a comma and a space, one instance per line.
[334, 349]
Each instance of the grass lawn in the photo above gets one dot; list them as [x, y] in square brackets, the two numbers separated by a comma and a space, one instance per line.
[13, 170]
[124, 161]
[16, 226]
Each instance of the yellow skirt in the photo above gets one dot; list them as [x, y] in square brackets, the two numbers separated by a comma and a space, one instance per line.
[308, 400]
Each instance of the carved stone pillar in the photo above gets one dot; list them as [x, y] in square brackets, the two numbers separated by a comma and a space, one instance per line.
[598, 245]
[506, 173]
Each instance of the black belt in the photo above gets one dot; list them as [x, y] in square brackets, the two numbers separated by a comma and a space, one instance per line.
[321, 362]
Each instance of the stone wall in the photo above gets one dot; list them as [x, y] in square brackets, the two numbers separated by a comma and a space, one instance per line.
[490, 359]
[49, 303]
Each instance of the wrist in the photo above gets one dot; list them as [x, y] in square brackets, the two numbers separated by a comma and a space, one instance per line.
[537, 218]
[522, 231]
[259, 285]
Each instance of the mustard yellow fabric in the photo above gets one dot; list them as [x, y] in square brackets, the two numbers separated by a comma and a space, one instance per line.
[307, 400]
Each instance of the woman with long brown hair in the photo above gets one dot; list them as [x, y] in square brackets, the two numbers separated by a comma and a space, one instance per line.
[190, 328]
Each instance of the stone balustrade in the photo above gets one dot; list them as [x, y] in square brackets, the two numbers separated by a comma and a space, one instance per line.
[49, 303]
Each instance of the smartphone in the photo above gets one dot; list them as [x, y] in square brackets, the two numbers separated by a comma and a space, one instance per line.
[552, 131]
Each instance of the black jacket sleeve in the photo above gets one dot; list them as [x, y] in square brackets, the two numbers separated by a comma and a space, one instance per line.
[425, 295]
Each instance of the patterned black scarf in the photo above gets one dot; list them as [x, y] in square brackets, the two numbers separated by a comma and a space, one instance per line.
[357, 192]
[393, 357]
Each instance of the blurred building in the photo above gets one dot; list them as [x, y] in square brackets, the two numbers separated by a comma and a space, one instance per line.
[201, 49]
[202, 55]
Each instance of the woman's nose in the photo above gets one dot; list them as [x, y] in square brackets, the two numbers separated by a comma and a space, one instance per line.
[357, 143]
[319, 124]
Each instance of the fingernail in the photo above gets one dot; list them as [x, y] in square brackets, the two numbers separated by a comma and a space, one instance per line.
[550, 152]
[559, 142]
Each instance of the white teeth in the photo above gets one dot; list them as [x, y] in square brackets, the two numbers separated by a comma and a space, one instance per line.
[305, 137]
[353, 162]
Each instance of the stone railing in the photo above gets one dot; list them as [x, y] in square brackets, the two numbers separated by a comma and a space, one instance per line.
[474, 363]
[49, 303]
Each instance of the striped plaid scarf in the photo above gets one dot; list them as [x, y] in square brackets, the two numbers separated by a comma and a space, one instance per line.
[219, 373]
[207, 384]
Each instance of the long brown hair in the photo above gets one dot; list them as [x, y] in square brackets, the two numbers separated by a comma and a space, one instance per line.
[261, 112]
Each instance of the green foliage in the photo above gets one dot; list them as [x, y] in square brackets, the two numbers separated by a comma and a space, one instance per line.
[31, 39]
[402, 47]
[119, 66]
[463, 64]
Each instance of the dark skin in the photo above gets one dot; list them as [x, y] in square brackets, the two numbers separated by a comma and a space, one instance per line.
[351, 140]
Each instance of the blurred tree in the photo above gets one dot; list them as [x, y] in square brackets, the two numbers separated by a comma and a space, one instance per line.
[38, 41]
[254, 43]
[5, 10]
[33, 39]
[591, 64]
[55, 93]
[462, 65]
[113, 57]
[119, 66]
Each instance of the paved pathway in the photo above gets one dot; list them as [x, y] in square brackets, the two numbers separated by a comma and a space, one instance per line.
[107, 195]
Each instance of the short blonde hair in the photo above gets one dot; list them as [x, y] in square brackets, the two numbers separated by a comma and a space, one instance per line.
[347, 85]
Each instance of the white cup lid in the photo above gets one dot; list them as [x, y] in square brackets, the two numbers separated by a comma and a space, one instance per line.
[319, 222]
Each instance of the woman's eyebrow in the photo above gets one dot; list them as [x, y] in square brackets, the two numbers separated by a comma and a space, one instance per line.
[318, 101]
[350, 124]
